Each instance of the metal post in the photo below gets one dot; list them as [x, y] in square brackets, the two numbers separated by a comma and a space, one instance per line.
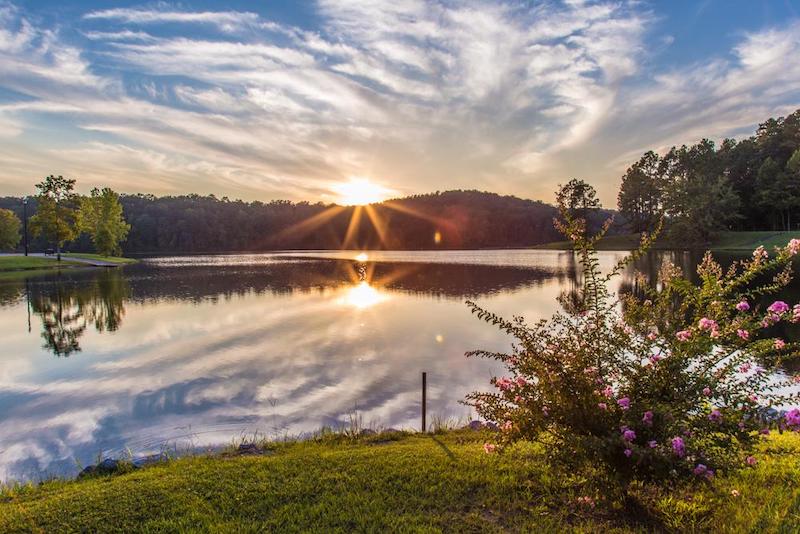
[424, 399]
[25, 223]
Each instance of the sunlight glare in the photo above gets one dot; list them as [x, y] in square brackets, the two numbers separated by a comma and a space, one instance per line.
[360, 191]
[362, 257]
[362, 295]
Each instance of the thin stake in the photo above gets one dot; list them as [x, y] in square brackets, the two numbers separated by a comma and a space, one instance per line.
[424, 399]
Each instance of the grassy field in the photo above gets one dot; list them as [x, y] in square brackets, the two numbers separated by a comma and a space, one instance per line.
[401, 483]
[109, 259]
[29, 263]
[730, 241]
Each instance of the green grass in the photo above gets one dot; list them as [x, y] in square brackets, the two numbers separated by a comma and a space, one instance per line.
[400, 483]
[730, 241]
[110, 259]
[26, 263]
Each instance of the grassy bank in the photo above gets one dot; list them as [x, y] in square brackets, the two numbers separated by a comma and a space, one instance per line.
[98, 257]
[726, 241]
[400, 483]
[30, 263]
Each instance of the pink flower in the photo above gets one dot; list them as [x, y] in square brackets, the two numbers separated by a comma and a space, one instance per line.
[778, 307]
[628, 435]
[744, 334]
[628, 453]
[751, 460]
[678, 447]
[715, 416]
[684, 335]
[707, 324]
[779, 344]
[792, 419]
[504, 384]
[602, 405]
[652, 336]
[624, 403]
[793, 246]
[608, 392]
[707, 391]
[647, 418]
[745, 367]
[507, 426]
[521, 381]
[489, 448]
[743, 306]
[652, 444]
[715, 334]
[700, 470]
[760, 253]
[655, 358]
[753, 397]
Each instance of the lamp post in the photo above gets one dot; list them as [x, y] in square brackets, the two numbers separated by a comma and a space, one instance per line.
[25, 223]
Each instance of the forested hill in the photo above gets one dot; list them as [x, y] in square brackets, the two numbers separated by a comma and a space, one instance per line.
[448, 220]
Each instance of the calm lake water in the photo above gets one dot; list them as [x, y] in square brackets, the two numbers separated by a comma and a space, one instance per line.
[195, 351]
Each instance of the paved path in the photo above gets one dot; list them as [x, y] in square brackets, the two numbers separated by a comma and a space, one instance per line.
[87, 261]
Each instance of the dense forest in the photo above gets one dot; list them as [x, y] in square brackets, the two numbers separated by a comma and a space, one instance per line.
[752, 184]
[446, 220]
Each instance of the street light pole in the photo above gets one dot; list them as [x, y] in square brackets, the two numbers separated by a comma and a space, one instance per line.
[25, 223]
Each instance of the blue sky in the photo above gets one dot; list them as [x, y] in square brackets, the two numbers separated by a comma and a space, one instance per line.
[279, 99]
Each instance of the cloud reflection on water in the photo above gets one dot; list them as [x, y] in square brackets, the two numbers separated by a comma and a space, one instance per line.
[195, 355]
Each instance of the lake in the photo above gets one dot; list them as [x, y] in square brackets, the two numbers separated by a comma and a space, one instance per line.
[188, 352]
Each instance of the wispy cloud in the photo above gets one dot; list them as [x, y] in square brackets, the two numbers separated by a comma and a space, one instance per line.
[417, 95]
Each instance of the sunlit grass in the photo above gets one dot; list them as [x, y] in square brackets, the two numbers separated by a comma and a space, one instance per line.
[100, 257]
[394, 482]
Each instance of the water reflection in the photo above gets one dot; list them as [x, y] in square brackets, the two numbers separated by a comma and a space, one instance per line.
[195, 353]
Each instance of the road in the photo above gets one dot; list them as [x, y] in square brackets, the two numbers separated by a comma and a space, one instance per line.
[95, 263]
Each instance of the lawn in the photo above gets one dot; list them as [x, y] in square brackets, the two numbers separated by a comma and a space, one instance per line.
[109, 259]
[26, 263]
[400, 483]
[726, 241]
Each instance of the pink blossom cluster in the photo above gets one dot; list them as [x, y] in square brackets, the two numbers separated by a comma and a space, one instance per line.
[703, 471]
[793, 247]
[743, 306]
[678, 447]
[684, 335]
[792, 419]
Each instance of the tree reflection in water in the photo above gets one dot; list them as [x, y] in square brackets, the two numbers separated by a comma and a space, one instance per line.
[67, 308]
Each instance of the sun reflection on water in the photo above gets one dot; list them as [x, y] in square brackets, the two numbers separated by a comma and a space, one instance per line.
[362, 295]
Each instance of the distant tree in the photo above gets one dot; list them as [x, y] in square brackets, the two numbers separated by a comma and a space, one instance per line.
[579, 197]
[57, 213]
[640, 196]
[778, 192]
[698, 197]
[9, 230]
[102, 218]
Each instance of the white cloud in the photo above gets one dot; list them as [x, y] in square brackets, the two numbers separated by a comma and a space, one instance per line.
[224, 20]
[420, 95]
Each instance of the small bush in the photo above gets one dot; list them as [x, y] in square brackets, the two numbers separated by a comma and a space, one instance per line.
[678, 384]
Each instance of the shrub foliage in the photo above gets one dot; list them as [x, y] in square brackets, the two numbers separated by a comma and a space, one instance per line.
[682, 382]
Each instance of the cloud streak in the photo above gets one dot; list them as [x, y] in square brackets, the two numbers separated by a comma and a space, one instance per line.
[416, 95]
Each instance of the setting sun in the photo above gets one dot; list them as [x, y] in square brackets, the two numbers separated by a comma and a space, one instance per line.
[360, 191]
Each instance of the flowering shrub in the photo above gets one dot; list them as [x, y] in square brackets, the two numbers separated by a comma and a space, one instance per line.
[676, 384]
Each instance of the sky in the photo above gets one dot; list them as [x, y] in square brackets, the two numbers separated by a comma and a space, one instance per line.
[268, 99]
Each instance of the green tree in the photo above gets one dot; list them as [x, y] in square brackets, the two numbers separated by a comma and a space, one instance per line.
[639, 198]
[102, 218]
[579, 197]
[57, 215]
[9, 230]
[698, 198]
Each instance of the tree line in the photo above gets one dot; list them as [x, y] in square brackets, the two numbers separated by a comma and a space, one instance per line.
[752, 184]
[441, 220]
